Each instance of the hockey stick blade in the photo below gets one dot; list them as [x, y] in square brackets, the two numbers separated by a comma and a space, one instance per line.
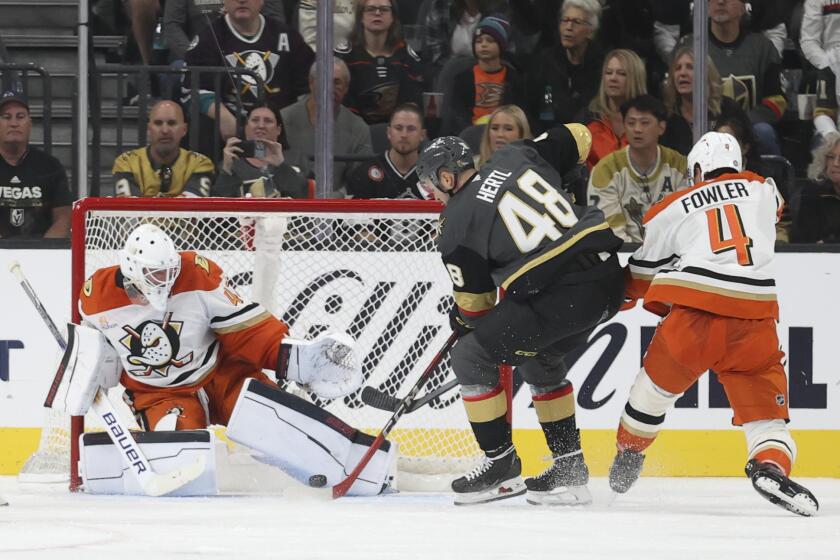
[343, 487]
[153, 484]
[384, 401]
[379, 399]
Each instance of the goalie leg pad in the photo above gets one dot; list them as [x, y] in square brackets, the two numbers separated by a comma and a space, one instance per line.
[304, 440]
[103, 471]
[89, 362]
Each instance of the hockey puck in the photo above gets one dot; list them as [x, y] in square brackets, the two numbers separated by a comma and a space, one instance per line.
[317, 481]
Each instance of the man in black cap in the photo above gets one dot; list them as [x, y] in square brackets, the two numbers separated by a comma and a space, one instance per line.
[35, 197]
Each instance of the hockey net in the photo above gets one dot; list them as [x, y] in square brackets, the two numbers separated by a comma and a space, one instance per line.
[369, 268]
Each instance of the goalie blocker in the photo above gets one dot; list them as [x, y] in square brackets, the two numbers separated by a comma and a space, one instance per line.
[304, 440]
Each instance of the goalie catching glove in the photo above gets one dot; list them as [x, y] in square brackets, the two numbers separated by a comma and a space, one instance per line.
[327, 365]
[88, 364]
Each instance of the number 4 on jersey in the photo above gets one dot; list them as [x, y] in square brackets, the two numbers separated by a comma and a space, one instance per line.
[738, 242]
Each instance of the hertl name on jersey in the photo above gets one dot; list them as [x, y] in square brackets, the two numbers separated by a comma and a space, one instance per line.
[490, 186]
[17, 193]
[713, 194]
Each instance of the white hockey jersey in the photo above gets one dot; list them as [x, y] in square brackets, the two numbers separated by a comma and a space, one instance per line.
[711, 247]
[205, 322]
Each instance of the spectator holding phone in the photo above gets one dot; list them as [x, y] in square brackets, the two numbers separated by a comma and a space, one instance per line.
[261, 165]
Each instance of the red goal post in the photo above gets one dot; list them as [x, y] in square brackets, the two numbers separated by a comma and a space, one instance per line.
[368, 267]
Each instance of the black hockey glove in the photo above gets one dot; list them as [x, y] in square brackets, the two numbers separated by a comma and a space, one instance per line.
[458, 324]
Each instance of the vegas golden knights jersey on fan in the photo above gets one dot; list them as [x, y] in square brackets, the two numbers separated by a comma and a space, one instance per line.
[510, 227]
[624, 193]
[711, 247]
[135, 174]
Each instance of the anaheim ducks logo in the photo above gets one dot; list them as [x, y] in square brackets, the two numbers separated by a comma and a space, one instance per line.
[154, 346]
[489, 94]
[262, 63]
[380, 99]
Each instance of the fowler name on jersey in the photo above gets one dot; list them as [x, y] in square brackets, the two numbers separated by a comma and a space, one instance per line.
[712, 194]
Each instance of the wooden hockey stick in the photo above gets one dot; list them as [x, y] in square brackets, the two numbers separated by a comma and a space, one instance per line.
[152, 483]
[384, 401]
[343, 487]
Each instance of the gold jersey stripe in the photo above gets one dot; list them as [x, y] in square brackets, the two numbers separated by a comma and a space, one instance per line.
[533, 263]
[706, 288]
[244, 324]
[475, 302]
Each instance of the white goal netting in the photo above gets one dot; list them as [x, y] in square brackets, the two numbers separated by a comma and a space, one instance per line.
[373, 272]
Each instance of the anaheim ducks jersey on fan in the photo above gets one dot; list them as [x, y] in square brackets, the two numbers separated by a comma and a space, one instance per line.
[509, 227]
[135, 174]
[379, 83]
[711, 247]
[625, 194]
[180, 347]
[276, 53]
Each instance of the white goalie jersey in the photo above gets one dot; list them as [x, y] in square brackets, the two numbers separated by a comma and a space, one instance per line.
[181, 347]
[711, 247]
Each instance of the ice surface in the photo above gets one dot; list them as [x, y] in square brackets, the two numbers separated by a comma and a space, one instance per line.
[660, 518]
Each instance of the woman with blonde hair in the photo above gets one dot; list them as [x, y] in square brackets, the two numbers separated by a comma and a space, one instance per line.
[623, 77]
[817, 216]
[506, 124]
[678, 97]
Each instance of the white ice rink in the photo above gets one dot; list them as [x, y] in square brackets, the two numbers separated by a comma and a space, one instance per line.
[665, 518]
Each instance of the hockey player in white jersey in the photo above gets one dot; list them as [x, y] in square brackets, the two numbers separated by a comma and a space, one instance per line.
[190, 352]
[706, 266]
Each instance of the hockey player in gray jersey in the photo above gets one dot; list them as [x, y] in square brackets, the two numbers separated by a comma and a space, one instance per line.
[506, 228]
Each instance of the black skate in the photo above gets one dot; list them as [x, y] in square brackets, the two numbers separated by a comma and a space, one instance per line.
[625, 470]
[493, 479]
[561, 484]
[778, 489]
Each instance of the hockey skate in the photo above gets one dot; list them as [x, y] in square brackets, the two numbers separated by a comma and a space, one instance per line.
[561, 484]
[625, 470]
[491, 480]
[778, 489]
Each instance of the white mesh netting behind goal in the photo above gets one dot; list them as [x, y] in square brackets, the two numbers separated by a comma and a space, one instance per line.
[370, 269]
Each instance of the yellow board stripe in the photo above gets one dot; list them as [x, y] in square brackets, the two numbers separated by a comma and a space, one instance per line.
[674, 453]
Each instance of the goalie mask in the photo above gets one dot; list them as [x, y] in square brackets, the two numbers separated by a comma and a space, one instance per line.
[150, 263]
[714, 150]
[448, 153]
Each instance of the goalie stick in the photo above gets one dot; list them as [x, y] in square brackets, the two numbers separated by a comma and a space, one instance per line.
[343, 487]
[384, 401]
[152, 483]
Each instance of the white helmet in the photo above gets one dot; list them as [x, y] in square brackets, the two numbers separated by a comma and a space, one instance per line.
[150, 263]
[714, 150]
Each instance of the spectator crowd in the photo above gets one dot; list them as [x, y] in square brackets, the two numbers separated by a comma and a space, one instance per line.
[490, 71]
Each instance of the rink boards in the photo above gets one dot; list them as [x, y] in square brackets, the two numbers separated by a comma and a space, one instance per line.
[699, 439]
